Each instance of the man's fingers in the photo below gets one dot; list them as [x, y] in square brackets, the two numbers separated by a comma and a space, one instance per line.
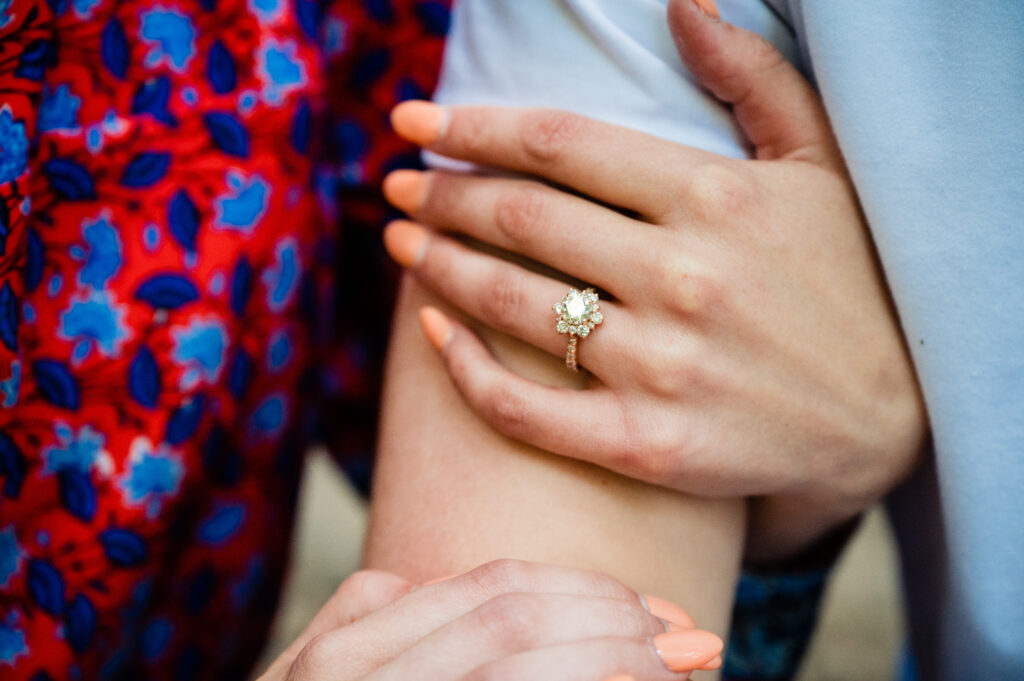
[777, 108]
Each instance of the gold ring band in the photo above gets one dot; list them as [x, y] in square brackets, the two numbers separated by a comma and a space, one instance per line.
[578, 313]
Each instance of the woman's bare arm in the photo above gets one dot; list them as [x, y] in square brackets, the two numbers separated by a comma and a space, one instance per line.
[451, 493]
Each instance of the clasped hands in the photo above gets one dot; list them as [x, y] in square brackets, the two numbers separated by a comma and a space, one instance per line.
[749, 346]
[749, 349]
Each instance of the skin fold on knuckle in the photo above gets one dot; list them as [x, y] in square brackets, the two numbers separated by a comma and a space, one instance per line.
[511, 622]
[506, 410]
[470, 131]
[690, 291]
[519, 214]
[502, 301]
[546, 135]
[318, 658]
[502, 576]
[721, 194]
[440, 205]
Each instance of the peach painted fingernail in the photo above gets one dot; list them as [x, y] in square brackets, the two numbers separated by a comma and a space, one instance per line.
[406, 190]
[621, 678]
[436, 326]
[686, 650]
[713, 664]
[405, 242]
[670, 612]
[419, 121]
[708, 7]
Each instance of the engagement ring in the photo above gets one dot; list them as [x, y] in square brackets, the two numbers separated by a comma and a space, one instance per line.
[578, 313]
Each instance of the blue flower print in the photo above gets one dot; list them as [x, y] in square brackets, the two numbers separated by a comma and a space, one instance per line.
[335, 36]
[111, 125]
[13, 147]
[5, 16]
[152, 476]
[269, 417]
[59, 109]
[155, 638]
[84, 8]
[76, 452]
[280, 71]
[10, 386]
[10, 555]
[267, 11]
[171, 36]
[103, 259]
[200, 347]
[279, 351]
[244, 205]
[250, 583]
[222, 524]
[12, 642]
[282, 278]
[94, 321]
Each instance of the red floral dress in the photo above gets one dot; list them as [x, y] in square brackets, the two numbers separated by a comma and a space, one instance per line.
[191, 275]
[173, 174]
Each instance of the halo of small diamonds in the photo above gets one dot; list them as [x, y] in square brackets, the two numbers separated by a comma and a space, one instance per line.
[578, 313]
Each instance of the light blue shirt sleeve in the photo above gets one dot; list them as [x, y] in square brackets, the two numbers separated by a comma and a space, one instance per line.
[927, 101]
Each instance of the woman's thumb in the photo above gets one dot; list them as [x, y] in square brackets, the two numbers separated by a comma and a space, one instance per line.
[775, 106]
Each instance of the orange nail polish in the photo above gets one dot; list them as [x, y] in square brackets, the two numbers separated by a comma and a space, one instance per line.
[670, 612]
[419, 121]
[687, 650]
[439, 579]
[404, 242]
[436, 326]
[623, 677]
[406, 190]
[713, 664]
[708, 7]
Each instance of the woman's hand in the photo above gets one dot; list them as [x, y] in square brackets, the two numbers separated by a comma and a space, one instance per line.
[749, 346]
[507, 620]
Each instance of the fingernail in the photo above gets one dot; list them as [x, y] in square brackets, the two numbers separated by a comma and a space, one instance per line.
[623, 677]
[439, 579]
[708, 7]
[406, 190]
[436, 326]
[670, 612]
[713, 665]
[419, 121]
[404, 242]
[687, 650]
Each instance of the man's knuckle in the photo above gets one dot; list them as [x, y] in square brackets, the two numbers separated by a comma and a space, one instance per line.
[547, 134]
